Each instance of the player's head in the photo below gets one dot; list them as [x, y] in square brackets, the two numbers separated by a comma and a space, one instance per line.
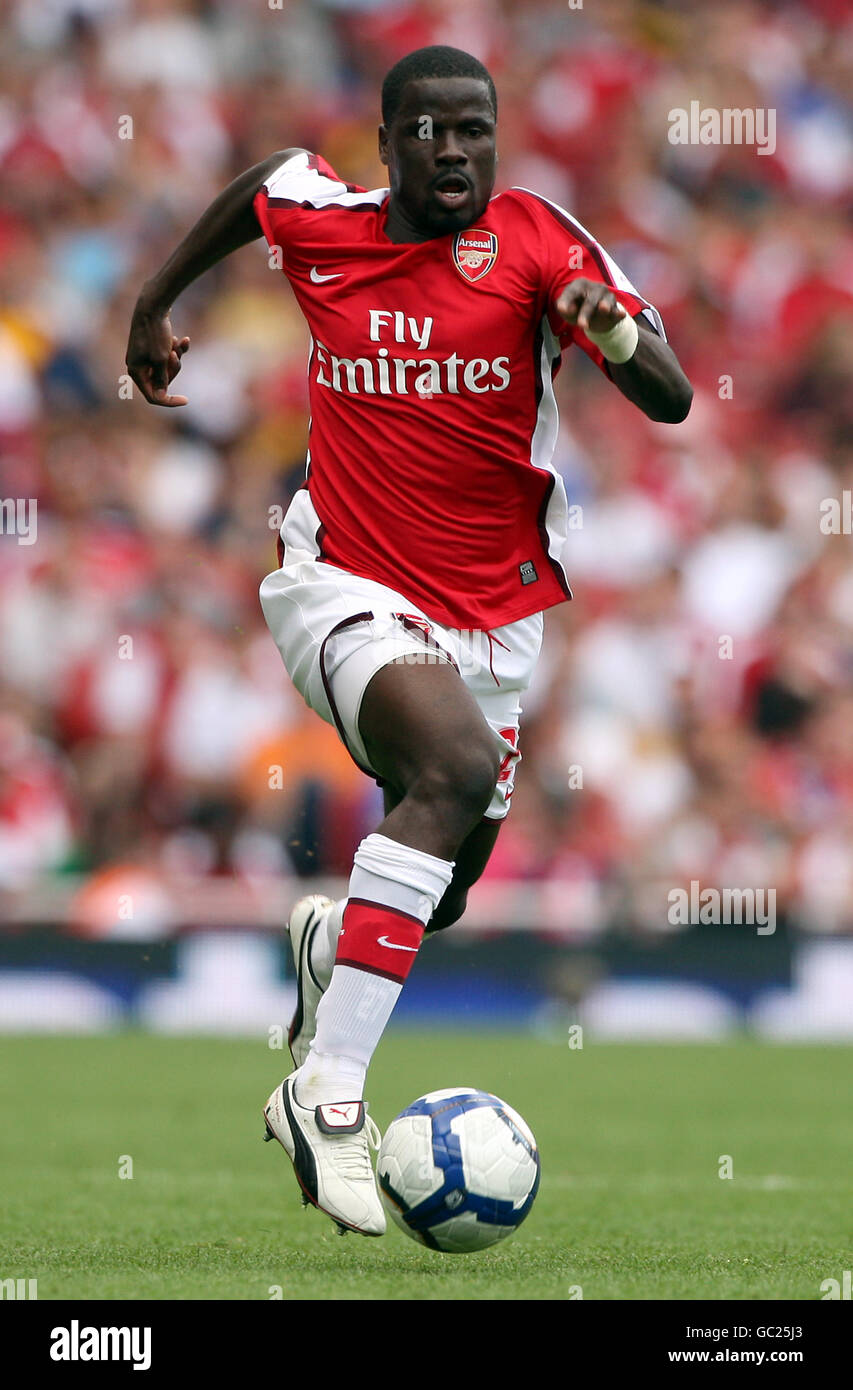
[439, 117]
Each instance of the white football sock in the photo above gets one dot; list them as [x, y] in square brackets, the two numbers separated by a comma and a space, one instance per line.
[354, 1010]
[321, 1079]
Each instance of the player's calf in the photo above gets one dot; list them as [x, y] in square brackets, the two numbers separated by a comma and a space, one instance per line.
[449, 910]
[393, 892]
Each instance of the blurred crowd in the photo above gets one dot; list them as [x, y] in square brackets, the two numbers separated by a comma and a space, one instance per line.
[692, 716]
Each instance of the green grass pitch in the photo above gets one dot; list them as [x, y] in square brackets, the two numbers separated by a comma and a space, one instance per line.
[631, 1205]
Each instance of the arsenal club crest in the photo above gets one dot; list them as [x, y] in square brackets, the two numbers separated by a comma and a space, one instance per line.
[475, 252]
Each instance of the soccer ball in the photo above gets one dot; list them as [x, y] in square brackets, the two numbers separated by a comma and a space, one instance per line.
[458, 1170]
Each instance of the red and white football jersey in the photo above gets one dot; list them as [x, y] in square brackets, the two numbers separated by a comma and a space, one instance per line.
[433, 418]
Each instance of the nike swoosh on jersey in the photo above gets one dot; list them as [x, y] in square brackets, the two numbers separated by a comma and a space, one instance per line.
[383, 941]
[320, 279]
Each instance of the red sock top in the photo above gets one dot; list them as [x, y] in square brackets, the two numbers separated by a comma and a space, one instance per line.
[380, 940]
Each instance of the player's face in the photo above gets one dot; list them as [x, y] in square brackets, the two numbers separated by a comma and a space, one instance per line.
[440, 152]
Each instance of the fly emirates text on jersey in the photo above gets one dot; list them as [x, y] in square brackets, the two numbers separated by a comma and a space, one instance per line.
[387, 375]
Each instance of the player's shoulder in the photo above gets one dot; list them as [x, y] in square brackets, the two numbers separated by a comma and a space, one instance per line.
[523, 209]
[306, 179]
[515, 204]
[548, 216]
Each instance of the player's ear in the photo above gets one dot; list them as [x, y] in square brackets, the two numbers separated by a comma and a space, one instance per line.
[383, 144]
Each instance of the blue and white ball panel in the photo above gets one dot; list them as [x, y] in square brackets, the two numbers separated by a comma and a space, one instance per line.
[458, 1170]
[438, 1100]
[406, 1160]
[466, 1234]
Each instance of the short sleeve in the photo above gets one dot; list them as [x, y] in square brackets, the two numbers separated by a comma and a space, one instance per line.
[569, 252]
[304, 180]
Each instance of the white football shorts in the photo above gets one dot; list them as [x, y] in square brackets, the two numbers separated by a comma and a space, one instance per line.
[335, 630]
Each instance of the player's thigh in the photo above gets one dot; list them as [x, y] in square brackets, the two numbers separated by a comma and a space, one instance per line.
[422, 728]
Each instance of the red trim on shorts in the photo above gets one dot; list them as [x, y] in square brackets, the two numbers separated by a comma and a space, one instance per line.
[411, 624]
[492, 639]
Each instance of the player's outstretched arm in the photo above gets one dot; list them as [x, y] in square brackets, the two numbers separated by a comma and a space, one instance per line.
[651, 376]
[153, 352]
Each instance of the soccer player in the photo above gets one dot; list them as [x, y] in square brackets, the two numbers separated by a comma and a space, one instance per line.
[420, 552]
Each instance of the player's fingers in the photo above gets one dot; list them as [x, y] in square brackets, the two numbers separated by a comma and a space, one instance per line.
[138, 380]
[162, 397]
[587, 309]
[611, 305]
[155, 393]
[159, 375]
[142, 377]
[178, 350]
[600, 302]
[569, 303]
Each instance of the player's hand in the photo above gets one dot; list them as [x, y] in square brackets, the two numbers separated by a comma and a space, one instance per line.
[154, 356]
[589, 304]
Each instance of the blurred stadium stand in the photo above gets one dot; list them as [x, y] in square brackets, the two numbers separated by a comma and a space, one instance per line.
[655, 752]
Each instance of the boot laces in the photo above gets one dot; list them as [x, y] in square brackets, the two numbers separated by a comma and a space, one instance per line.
[352, 1152]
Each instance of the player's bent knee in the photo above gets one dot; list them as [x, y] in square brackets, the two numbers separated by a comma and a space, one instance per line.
[465, 778]
[475, 773]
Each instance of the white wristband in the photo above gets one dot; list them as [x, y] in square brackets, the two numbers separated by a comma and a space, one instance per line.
[618, 343]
